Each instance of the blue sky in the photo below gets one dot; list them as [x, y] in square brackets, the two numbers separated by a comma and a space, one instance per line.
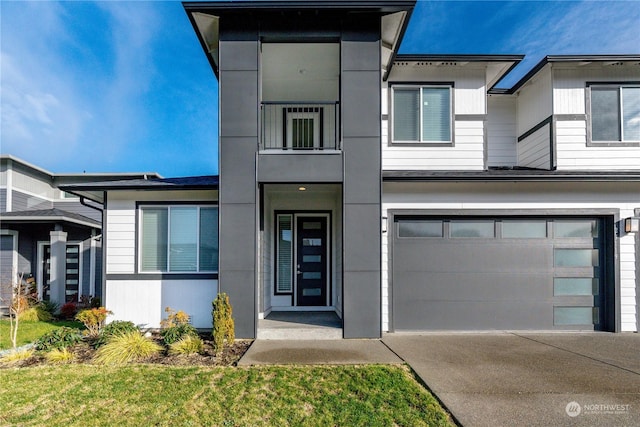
[123, 86]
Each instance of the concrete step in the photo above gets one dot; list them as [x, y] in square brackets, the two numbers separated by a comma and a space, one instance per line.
[300, 333]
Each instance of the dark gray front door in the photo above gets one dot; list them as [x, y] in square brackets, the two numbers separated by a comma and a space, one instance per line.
[311, 274]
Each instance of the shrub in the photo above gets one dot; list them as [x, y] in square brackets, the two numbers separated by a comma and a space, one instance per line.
[16, 356]
[58, 338]
[49, 306]
[68, 310]
[93, 319]
[174, 318]
[223, 325]
[188, 344]
[117, 327]
[35, 314]
[60, 356]
[125, 348]
[175, 333]
[95, 302]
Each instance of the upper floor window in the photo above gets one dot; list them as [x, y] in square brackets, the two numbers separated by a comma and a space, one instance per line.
[615, 113]
[422, 114]
[179, 238]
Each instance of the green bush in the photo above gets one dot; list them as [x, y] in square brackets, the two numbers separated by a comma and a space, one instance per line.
[223, 324]
[50, 307]
[117, 327]
[35, 314]
[188, 344]
[175, 333]
[125, 348]
[93, 319]
[58, 339]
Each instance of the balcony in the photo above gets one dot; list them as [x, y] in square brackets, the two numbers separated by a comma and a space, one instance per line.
[300, 126]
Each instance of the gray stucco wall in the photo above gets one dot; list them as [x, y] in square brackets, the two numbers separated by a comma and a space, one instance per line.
[360, 100]
[238, 77]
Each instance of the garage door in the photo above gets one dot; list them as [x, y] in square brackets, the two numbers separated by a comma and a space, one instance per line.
[497, 273]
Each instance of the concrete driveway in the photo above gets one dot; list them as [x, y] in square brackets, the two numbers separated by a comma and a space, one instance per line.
[511, 379]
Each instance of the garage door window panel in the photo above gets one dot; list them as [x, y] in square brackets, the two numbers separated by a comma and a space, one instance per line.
[524, 229]
[575, 316]
[472, 229]
[575, 257]
[418, 228]
[575, 229]
[575, 286]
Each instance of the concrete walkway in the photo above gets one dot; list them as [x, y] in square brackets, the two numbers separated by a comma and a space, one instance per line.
[508, 379]
[318, 352]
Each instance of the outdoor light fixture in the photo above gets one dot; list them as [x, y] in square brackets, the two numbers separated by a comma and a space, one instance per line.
[632, 225]
[301, 188]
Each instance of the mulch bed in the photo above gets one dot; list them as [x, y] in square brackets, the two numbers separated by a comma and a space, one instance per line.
[84, 353]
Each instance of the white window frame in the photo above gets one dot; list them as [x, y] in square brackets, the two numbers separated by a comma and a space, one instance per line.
[610, 85]
[139, 237]
[419, 88]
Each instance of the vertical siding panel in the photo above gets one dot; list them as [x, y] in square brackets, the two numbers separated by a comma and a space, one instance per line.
[501, 131]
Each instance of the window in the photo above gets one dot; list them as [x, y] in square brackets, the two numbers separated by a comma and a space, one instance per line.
[179, 239]
[422, 114]
[304, 127]
[615, 113]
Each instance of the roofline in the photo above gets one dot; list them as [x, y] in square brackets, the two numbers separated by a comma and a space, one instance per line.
[73, 175]
[460, 57]
[522, 175]
[570, 58]
[71, 188]
[57, 218]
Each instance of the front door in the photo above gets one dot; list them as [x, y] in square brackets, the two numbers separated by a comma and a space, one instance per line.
[72, 273]
[311, 257]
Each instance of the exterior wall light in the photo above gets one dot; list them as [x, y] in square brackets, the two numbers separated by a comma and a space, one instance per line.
[632, 225]
[302, 188]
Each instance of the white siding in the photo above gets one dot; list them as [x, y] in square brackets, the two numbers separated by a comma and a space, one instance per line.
[569, 97]
[529, 195]
[573, 153]
[469, 97]
[501, 131]
[120, 236]
[535, 150]
[534, 101]
[143, 301]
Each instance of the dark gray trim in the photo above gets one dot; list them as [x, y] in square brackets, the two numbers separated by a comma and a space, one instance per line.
[608, 219]
[587, 97]
[536, 128]
[164, 276]
[104, 246]
[515, 175]
[570, 58]
[470, 117]
[391, 143]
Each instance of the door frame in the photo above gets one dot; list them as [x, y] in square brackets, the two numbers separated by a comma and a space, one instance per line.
[295, 214]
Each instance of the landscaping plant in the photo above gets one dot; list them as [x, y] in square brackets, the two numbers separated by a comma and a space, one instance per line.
[16, 356]
[93, 319]
[35, 314]
[58, 339]
[117, 327]
[175, 333]
[223, 324]
[174, 318]
[125, 348]
[60, 356]
[68, 310]
[188, 344]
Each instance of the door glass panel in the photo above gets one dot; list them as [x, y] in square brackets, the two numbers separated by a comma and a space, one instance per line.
[415, 228]
[312, 242]
[312, 258]
[575, 257]
[285, 254]
[524, 229]
[312, 292]
[575, 286]
[482, 229]
[311, 225]
[586, 229]
[575, 316]
[312, 275]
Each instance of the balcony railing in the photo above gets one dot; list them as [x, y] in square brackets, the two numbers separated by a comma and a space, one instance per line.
[300, 126]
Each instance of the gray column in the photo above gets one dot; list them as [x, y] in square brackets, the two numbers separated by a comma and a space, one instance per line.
[360, 101]
[238, 142]
[58, 265]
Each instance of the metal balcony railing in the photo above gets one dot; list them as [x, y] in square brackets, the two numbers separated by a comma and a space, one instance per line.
[300, 126]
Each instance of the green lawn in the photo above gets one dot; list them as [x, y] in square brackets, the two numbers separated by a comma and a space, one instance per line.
[137, 395]
[30, 331]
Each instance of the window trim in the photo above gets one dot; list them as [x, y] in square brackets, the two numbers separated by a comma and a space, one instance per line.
[419, 86]
[140, 206]
[619, 85]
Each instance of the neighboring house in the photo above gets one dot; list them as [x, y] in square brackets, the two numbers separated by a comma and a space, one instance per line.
[50, 235]
[402, 192]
